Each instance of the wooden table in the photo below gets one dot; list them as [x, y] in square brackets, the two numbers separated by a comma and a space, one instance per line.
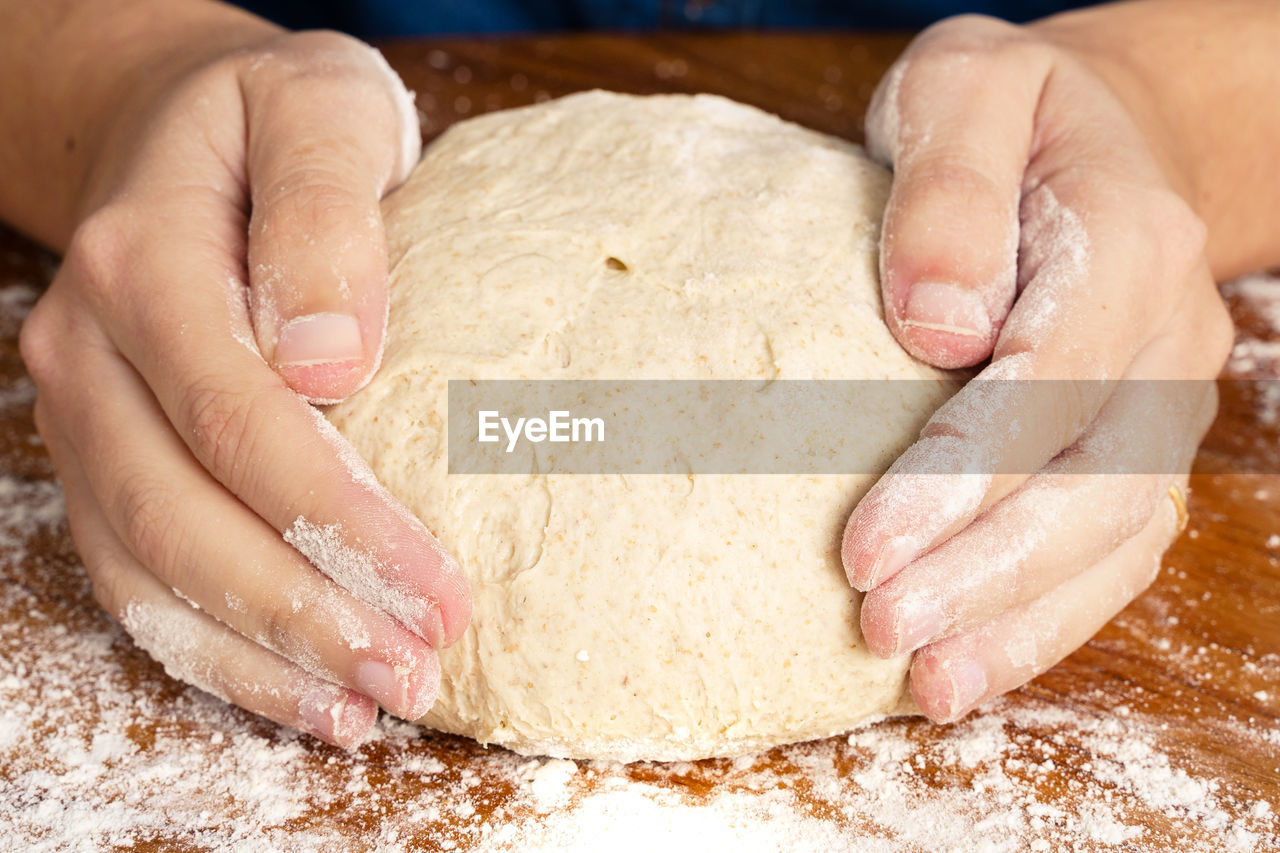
[1163, 733]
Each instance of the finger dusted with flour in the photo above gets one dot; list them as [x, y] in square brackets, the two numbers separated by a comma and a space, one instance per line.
[346, 560]
[949, 246]
[191, 644]
[336, 129]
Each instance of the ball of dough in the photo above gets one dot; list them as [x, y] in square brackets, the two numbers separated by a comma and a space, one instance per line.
[605, 236]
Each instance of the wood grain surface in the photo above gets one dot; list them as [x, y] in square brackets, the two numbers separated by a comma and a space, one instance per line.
[1190, 672]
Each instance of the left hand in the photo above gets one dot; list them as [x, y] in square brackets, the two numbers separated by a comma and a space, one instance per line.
[1033, 221]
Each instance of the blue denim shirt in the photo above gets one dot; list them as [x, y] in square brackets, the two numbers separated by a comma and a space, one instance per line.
[383, 18]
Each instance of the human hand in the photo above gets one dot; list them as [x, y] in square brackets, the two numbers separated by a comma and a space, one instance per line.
[1037, 219]
[230, 266]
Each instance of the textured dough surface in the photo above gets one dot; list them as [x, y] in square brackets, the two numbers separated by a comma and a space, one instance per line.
[650, 617]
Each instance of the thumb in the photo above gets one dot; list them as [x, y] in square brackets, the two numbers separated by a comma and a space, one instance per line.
[330, 127]
[954, 117]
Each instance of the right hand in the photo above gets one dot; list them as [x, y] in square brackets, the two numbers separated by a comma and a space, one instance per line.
[230, 267]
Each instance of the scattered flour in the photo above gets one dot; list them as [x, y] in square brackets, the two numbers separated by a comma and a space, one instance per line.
[100, 750]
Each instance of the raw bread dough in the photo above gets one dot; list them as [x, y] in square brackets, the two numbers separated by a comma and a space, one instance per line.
[659, 617]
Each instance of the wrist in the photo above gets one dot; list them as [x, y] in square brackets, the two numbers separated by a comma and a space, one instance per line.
[1089, 37]
[1197, 78]
[82, 73]
[113, 124]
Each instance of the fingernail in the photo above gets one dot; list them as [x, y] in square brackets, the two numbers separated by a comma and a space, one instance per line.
[894, 554]
[392, 688]
[355, 721]
[916, 621]
[321, 709]
[947, 308]
[319, 339]
[968, 685]
[330, 714]
[433, 627]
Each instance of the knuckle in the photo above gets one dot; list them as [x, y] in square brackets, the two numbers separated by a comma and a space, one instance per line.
[214, 81]
[972, 26]
[284, 620]
[962, 60]
[40, 343]
[325, 71]
[1174, 238]
[1205, 411]
[969, 32]
[957, 42]
[1071, 406]
[955, 176]
[1181, 231]
[313, 62]
[1173, 232]
[221, 425]
[97, 253]
[326, 42]
[151, 525]
[308, 199]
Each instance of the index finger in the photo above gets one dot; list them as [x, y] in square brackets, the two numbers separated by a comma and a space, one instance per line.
[278, 454]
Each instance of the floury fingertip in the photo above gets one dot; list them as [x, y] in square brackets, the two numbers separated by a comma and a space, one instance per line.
[331, 715]
[894, 555]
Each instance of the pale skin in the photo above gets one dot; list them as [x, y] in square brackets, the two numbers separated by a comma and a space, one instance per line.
[214, 183]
